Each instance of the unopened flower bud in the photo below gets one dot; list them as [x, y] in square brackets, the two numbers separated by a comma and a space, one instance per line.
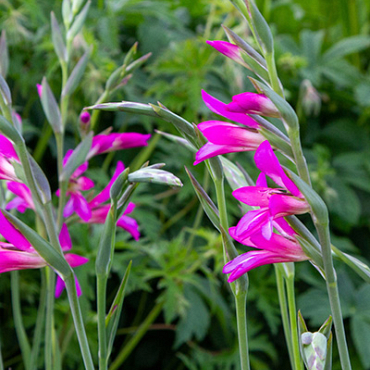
[85, 119]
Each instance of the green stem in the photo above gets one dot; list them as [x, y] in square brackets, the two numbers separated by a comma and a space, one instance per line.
[102, 331]
[143, 328]
[332, 288]
[300, 160]
[239, 288]
[42, 143]
[241, 318]
[293, 323]
[49, 320]
[39, 323]
[78, 322]
[284, 311]
[18, 321]
[95, 114]
[271, 67]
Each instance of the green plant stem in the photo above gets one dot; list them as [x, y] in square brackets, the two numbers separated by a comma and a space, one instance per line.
[239, 288]
[39, 323]
[131, 344]
[78, 321]
[300, 160]
[18, 321]
[102, 332]
[298, 365]
[271, 67]
[284, 311]
[241, 318]
[102, 99]
[42, 143]
[332, 288]
[49, 320]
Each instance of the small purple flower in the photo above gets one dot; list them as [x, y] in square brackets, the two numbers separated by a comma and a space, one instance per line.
[99, 210]
[77, 183]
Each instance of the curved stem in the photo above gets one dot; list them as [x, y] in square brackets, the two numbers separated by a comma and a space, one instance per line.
[293, 323]
[284, 311]
[18, 321]
[78, 322]
[49, 321]
[102, 332]
[241, 318]
[332, 288]
[39, 323]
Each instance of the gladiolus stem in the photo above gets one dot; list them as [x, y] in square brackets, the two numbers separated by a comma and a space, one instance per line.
[240, 293]
[18, 322]
[298, 155]
[284, 311]
[298, 365]
[78, 322]
[271, 67]
[49, 321]
[241, 317]
[102, 332]
[332, 288]
[39, 323]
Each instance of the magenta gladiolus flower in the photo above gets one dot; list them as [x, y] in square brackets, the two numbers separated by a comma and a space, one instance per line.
[99, 211]
[228, 49]
[252, 103]
[220, 108]
[19, 254]
[284, 201]
[74, 260]
[225, 137]
[8, 156]
[116, 141]
[279, 248]
[77, 183]
[23, 199]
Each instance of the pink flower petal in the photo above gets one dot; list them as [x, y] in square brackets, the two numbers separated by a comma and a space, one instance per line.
[65, 239]
[268, 163]
[12, 235]
[7, 148]
[282, 205]
[11, 260]
[130, 225]
[104, 195]
[75, 260]
[219, 107]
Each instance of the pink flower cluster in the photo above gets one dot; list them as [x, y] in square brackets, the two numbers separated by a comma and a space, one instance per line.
[257, 227]
[18, 253]
[263, 228]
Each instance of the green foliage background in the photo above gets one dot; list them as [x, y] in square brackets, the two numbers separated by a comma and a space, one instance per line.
[323, 60]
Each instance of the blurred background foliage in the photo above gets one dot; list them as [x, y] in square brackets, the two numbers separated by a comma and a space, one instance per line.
[178, 312]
